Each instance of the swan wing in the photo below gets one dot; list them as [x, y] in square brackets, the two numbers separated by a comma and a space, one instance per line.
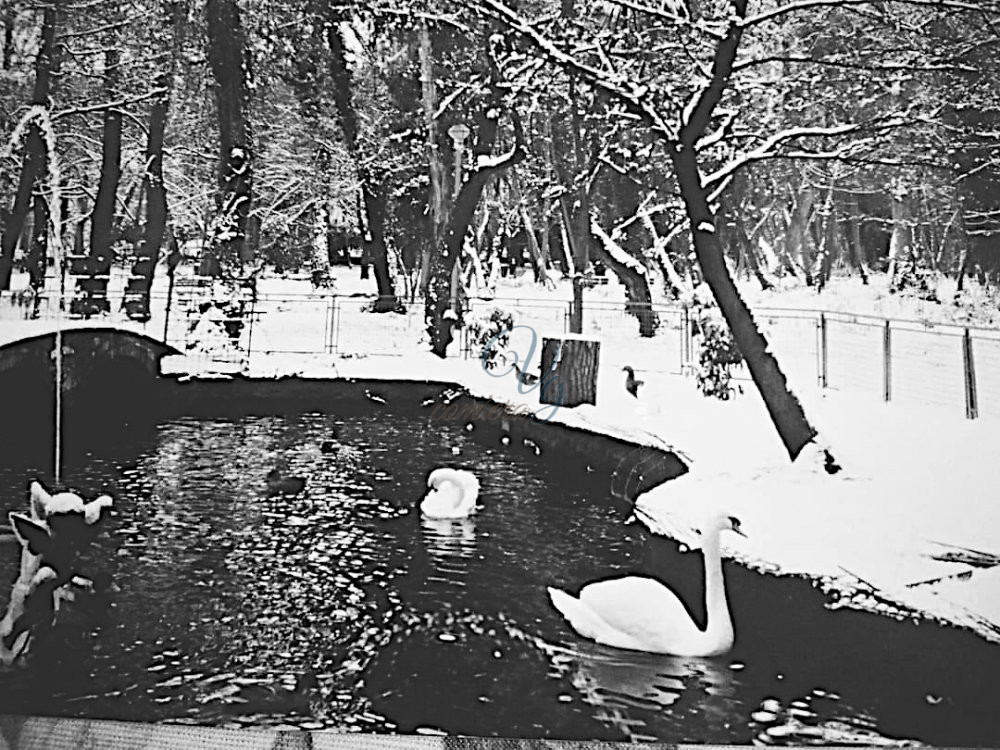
[445, 501]
[644, 610]
[588, 623]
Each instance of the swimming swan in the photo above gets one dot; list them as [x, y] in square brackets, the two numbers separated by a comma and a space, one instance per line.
[642, 614]
[453, 494]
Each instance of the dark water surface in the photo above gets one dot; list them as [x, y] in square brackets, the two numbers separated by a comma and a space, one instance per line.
[340, 607]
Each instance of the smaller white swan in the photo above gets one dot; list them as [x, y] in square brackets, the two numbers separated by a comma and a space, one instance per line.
[643, 614]
[453, 494]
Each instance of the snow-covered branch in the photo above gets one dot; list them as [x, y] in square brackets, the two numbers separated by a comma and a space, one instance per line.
[616, 251]
[116, 104]
[924, 67]
[768, 148]
[634, 96]
[799, 5]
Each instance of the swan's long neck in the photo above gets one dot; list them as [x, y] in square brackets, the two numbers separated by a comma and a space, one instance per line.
[718, 623]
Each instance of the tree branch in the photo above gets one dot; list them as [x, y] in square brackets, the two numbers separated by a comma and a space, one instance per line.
[699, 112]
[797, 5]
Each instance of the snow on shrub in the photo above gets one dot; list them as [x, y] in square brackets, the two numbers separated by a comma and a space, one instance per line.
[483, 328]
[914, 278]
[717, 352]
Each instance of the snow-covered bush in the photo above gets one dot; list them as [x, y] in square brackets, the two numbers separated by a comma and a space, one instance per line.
[717, 355]
[489, 334]
[913, 277]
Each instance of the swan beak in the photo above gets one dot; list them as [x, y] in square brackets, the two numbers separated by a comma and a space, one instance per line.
[740, 532]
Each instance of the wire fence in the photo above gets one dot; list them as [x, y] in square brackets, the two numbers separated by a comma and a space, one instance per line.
[901, 361]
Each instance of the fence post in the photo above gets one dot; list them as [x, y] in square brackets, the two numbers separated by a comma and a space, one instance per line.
[335, 338]
[688, 341]
[253, 309]
[969, 368]
[886, 362]
[683, 338]
[823, 380]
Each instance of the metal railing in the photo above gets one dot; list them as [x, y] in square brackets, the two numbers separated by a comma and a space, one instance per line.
[902, 361]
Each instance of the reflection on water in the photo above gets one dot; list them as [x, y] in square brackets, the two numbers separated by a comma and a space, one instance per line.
[626, 685]
[341, 607]
[450, 545]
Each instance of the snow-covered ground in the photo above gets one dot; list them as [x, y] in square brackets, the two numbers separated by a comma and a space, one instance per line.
[910, 525]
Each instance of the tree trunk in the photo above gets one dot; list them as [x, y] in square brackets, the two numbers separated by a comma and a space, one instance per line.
[529, 230]
[102, 222]
[798, 231]
[437, 197]
[783, 407]
[230, 64]
[828, 241]
[750, 252]
[139, 284]
[39, 252]
[571, 372]
[372, 190]
[33, 169]
[440, 314]
[8, 37]
[632, 275]
[855, 249]
[901, 241]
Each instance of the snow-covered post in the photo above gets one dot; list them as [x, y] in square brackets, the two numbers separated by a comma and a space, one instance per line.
[886, 361]
[969, 368]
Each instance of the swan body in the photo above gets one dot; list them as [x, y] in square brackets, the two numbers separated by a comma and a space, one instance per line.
[453, 494]
[642, 614]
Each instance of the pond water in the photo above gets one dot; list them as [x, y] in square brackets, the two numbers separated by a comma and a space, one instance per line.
[341, 607]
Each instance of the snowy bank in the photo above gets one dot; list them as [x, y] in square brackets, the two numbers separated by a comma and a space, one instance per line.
[909, 527]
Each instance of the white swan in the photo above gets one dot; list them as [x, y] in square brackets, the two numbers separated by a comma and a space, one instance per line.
[642, 614]
[453, 494]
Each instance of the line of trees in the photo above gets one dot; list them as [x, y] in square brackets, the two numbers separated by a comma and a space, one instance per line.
[670, 142]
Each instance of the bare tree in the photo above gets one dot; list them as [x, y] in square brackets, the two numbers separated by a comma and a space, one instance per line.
[33, 170]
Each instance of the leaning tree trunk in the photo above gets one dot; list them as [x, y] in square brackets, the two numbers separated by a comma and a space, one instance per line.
[632, 274]
[372, 189]
[783, 407]
[33, 169]
[102, 221]
[230, 64]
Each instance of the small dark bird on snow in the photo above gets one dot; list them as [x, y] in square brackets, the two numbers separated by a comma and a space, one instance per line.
[631, 383]
[526, 378]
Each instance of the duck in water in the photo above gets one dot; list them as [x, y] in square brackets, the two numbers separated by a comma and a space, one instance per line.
[282, 485]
